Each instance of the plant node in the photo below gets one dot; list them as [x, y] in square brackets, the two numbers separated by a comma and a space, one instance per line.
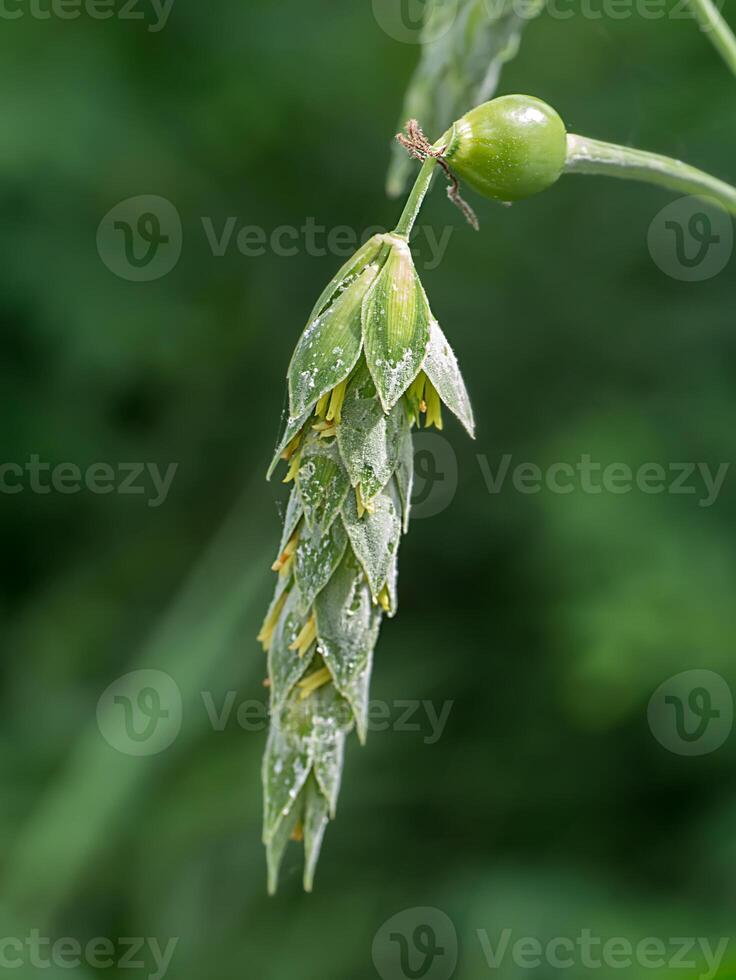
[418, 146]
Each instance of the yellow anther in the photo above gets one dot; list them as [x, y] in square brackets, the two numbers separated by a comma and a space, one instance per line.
[334, 412]
[292, 447]
[326, 430]
[363, 505]
[293, 469]
[306, 637]
[283, 563]
[384, 599]
[312, 683]
[321, 406]
[297, 833]
[270, 622]
[433, 407]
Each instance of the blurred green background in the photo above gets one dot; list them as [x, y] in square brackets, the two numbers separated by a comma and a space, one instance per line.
[547, 806]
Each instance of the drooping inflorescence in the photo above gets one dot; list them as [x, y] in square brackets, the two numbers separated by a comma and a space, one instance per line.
[371, 363]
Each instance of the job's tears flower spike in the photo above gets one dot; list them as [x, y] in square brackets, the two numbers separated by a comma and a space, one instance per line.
[371, 363]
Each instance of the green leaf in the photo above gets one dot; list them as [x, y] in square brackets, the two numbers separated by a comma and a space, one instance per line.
[294, 513]
[392, 583]
[442, 369]
[286, 765]
[375, 536]
[405, 475]
[369, 439]
[395, 326]
[347, 630]
[291, 429]
[348, 273]
[328, 349]
[285, 666]
[317, 556]
[322, 481]
[316, 818]
[331, 719]
[462, 56]
[276, 846]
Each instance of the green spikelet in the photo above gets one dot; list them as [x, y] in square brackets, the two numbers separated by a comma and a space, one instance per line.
[371, 363]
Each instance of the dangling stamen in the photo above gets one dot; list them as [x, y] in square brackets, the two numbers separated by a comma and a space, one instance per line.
[433, 407]
[384, 599]
[283, 563]
[334, 412]
[297, 833]
[270, 622]
[326, 430]
[415, 398]
[321, 406]
[312, 683]
[363, 505]
[293, 468]
[292, 447]
[306, 637]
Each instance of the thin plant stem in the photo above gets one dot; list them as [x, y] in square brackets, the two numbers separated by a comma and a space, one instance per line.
[714, 25]
[588, 156]
[416, 197]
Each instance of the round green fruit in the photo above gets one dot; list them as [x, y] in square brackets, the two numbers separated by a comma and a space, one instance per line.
[509, 148]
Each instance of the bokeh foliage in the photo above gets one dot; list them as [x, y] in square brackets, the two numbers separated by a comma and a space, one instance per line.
[546, 806]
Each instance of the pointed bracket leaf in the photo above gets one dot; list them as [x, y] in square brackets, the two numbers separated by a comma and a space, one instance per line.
[330, 346]
[395, 326]
[441, 367]
[322, 481]
[317, 556]
[375, 536]
[347, 630]
[369, 439]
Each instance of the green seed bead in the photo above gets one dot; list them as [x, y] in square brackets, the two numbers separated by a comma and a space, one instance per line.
[509, 148]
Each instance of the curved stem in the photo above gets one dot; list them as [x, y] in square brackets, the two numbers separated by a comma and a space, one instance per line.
[587, 156]
[713, 24]
[416, 197]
